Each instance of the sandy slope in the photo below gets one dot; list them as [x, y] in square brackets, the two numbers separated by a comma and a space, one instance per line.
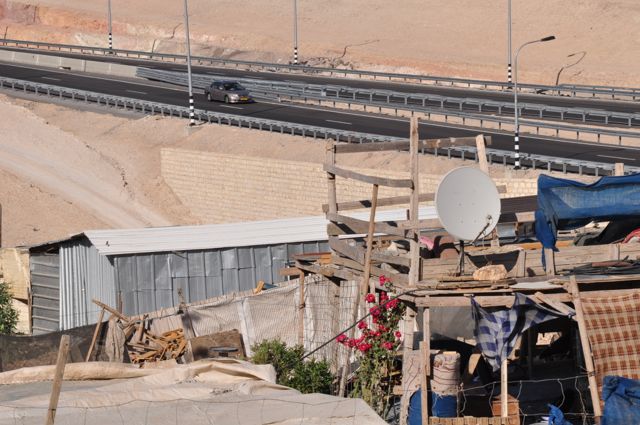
[55, 182]
[454, 37]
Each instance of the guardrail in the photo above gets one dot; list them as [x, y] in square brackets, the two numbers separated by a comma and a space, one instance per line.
[147, 107]
[320, 94]
[567, 90]
[410, 100]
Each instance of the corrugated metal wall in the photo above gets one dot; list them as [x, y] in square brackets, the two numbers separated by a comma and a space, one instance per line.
[45, 292]
[148, 282]
[84, 275]
[65, 285]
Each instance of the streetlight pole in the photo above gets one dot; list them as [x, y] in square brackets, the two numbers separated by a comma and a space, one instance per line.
[192, 114]
[109, 17]
[509, 41]
[516, 138]
[295, 32]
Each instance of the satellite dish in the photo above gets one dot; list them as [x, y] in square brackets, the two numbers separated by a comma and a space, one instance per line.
[467, 203]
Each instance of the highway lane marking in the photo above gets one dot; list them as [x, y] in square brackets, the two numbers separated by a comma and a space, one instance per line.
[339, 122]
[136, 91]
[386, 118]
[231, 107]
[50, 78]
[616, 157]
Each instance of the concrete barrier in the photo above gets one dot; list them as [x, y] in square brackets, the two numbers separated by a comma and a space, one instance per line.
[72, 64]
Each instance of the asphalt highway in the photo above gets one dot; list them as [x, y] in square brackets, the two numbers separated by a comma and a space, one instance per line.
[559, 101]
[337, 119]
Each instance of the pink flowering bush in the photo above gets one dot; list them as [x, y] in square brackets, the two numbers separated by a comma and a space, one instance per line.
[376, 348]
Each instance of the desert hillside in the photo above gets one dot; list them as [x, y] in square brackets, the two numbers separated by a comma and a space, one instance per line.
[466, 38]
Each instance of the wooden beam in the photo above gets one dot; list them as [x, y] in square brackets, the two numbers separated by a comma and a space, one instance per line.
[361, 227]
[504, 389]
[482, 153]
[550, 261]
[425, 359]
[111, 310]
[95, 334]
[619, 169]
[414, 203]
[301, 308]
[586, 347]
[63, 351]
[367, 256]
[380, 181]
[357, 253]
[393, 200]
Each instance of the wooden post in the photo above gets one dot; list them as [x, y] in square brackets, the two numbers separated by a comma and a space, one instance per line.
[586, 347]
[63, 351]
[343, 376]
[414, 243]
[425, 359]
[95, 334]
[301, 306]
[407, 349]
[331, 178]
[550, 261]
[482, 153]
[365, 285]
[619, 169]
[504, 389]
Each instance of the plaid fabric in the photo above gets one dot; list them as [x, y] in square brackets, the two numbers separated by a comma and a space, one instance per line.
[497, 331]
[613, 328]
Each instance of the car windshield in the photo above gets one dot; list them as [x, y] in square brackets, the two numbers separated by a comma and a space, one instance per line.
[232, 87]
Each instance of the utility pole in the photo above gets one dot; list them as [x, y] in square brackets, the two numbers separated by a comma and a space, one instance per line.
[192, 113]
[295, 32]
[509, 41]
[110, 34]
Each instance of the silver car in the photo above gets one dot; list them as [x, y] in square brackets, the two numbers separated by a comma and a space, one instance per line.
[228, 92]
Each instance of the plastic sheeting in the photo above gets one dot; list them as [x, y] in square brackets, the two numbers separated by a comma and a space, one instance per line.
[566, 204]
[226, 391]
[621, 401]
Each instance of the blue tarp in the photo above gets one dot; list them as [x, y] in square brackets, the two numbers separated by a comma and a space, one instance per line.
[556, 417]
[621, 401]
[566, 204]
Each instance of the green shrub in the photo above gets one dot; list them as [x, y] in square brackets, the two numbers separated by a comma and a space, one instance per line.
[8, 315]
[305, 376]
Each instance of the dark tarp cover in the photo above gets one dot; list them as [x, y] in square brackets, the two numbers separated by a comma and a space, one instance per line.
[566, 204]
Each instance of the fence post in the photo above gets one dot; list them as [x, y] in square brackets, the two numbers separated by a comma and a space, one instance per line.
[63, 351]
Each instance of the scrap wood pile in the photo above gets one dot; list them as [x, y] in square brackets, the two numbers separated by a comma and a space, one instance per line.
[142, 344]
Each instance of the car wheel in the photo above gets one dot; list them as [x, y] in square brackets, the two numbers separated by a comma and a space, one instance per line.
[226, 99]
[209, 98]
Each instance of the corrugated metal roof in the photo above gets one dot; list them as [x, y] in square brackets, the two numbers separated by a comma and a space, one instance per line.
[255, 233]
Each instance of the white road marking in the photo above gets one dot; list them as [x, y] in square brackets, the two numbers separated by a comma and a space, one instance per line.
[231, 107]
[339, 122]
[617, 157]
[50, 78]
[136, 91]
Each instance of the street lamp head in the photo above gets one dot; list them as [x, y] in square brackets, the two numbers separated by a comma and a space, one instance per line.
[549, 38]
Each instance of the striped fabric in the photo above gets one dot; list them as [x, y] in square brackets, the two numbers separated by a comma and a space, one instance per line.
[613, 328]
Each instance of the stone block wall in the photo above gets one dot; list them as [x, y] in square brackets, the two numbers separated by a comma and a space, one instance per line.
[224, 188]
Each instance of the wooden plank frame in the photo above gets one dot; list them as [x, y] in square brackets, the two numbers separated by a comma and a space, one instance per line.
[380, 181]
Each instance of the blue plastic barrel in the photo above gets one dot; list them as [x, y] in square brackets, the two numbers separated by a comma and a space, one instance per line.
[441, 407]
